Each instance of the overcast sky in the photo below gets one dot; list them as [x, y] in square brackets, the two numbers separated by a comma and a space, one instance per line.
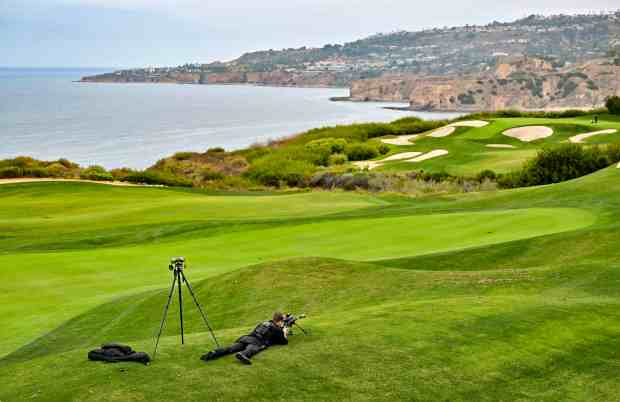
[134, 33]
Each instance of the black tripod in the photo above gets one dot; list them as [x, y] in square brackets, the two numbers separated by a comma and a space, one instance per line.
[176, 266]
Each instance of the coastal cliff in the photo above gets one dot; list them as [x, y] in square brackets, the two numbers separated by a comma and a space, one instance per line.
[524, 83]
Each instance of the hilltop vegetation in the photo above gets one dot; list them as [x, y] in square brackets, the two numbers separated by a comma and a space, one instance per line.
[342, 157]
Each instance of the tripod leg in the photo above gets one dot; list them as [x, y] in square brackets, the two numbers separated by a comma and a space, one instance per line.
[204, 316]
[163, 319]
[180, 306]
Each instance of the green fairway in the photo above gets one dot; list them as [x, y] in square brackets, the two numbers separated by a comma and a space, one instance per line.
[508, 295]
[469, 153]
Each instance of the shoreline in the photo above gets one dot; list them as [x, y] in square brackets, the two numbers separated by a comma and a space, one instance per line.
[251, 84]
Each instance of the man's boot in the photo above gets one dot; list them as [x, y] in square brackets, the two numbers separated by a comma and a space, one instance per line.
[243, 358]
[209, 356]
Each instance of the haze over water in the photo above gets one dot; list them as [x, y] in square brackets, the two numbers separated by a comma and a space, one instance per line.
[44, 114]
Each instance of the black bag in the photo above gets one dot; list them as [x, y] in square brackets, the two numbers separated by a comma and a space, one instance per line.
[114, 352]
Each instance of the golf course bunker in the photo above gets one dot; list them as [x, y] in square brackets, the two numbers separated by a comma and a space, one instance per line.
[396, 157]
[507, 146]
[450, 128]
[470, 123]
[529, 133]
[576, 139]
[429, 155]
[400, 140]
[442, 132]
[401, 156]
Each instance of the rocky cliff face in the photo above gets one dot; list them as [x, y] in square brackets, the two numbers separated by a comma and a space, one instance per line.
[525, 83]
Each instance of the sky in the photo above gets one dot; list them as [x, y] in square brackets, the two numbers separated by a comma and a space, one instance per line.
[138, 33]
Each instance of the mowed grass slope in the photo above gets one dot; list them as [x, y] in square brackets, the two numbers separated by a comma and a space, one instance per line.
[508, 295]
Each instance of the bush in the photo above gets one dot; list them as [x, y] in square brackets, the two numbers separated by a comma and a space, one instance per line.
[361, 151]
[121, 174]
[323, 148]
[11, 172]
[183, 156]
[278, 169]
[383, 149]
[154, 178]
[613, 105]
[97, 173]
[216, 150]
[209, 174]
[338, 159]
[565, 162]
[486, 175]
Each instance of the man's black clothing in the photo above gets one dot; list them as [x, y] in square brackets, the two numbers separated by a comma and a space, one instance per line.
[264, 335]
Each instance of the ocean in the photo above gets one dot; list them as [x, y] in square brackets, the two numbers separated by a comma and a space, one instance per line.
[45, 114]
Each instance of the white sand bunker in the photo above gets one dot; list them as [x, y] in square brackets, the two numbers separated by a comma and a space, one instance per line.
[429, 155]
[442, 132]
[470, 123]
[579, 138]
[400, 140]
[529, 133]
[450, 128]
[500, 146]
[401, 156]
[397, 157]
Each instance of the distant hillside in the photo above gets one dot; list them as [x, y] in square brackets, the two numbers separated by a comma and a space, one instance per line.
[539, 62]
[441, 51]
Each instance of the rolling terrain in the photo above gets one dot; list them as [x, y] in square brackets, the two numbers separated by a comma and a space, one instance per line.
[503, 295]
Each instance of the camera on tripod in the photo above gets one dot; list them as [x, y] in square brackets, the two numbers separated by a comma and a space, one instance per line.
[177, 264]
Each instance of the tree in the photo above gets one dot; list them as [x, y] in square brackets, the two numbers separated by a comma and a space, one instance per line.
[613, 104]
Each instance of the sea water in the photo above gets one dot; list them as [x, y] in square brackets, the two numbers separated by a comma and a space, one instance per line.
[46, 114]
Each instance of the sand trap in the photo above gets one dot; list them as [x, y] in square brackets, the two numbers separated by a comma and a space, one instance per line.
[442, 132]
[470, 123]
[429, 155]
[401, 156]
[397, 157]
[579, 138]
[400, 140]
[33, 180]
[618, 165]
[450, 128]
[500, 146]
[529, 133]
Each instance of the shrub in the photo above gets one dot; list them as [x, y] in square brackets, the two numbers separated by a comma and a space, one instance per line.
[96, 173]
[486, 175]
[383, 149]
[278, 169]
[338, 159]
[216, 150]
[11, 172]
[154, 177]
[210, 174]
[613, 105]
[323, 148]
[361, 151]
[561, 163]
[183, 156]
[121, 174]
